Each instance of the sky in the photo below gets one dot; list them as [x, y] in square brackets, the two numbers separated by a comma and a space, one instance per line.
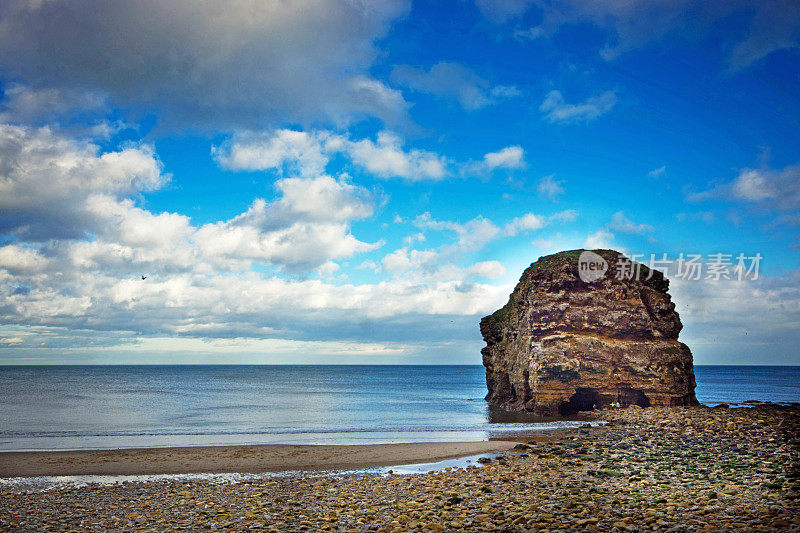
[337, 181]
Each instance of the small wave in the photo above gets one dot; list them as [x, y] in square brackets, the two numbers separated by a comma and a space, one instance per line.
[44, 483]
[499, 427]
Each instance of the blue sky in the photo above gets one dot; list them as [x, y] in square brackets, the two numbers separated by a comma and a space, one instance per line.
[360, 182]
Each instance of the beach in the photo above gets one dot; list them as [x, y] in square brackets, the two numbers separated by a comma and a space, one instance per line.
[244, 459]
[655, 469]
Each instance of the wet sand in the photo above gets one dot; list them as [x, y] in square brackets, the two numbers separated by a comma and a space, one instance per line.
[242, 459]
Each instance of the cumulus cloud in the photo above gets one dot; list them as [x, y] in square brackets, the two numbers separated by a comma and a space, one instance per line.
[619, 222]
[550, 188]
[508, 158]
[386, 158]
[310, 152]
[51, 185]
[79, 283]
[601, 238]
[56, 190]
[218, 64]
[555, 109]
[487, 269]
[527, 222]
[768, 188]
[568, 215]
[474, 234]
[273, 150]
[425, 266]
[722, 316]
[605, 238]
[454, 81]
[305, 228]
[244, 305]
[471, 235]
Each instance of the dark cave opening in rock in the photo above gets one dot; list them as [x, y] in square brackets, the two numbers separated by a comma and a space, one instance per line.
[629, 396]
[584, 399]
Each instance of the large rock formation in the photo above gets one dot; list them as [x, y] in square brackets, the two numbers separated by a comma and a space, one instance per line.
[570, 341]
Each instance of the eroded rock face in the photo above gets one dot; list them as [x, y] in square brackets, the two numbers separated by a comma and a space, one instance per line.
[562, 344]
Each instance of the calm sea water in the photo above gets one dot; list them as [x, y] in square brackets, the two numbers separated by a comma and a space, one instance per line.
[70, 407]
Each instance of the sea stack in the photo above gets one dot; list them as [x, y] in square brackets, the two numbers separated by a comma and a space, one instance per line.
[584, 330]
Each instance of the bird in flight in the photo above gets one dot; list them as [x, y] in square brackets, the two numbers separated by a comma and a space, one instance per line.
[144, 277]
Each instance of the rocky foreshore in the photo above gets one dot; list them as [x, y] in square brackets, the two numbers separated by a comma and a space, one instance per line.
[664, 469]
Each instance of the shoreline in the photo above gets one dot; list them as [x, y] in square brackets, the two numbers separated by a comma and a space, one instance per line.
[655, 469]
[244, 459]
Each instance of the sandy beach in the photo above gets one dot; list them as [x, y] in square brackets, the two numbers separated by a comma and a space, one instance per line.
[243, 459]
[656, 469]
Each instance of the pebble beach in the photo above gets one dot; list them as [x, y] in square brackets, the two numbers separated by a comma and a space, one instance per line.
[656, 469]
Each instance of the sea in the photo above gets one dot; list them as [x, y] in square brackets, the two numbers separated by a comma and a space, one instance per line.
[105, 407]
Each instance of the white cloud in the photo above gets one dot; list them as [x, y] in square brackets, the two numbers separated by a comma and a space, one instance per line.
[601, 238]
[19, 259]
[303, 229]
[244, 305]
[475, 233]
[752, 186]
[619, 222]
[209, 63]
[53, 187]
[328, 269]
[555, 109]
[49, 182]
[773, 189]
[309, 153]
[509, 158]
[425, 266]
[451, 80]
[471, 235]
[386, 158]
[74, 289]
[568, 215]
[404, 260]
[321, 198]
[487, 269]
[543, 244]
[440, 264]
[416, 237]
[550, 188]
[273, 150]
[11, 341]
[527, 222]
[657, 173]
[726, 321]
[367, 265]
